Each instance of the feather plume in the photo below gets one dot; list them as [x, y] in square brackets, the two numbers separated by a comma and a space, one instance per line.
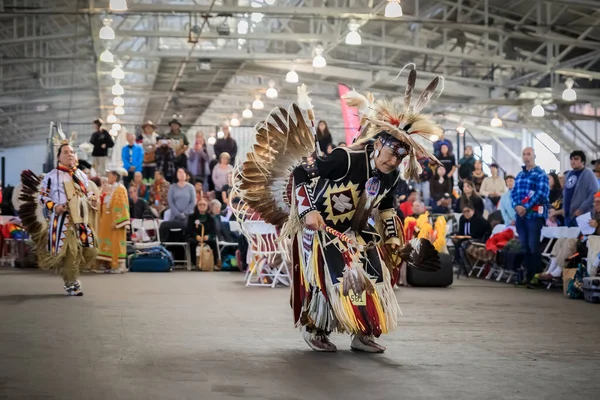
[303, 99]
[428, 93]
[410, 87]
[361, 102]
[420, 254]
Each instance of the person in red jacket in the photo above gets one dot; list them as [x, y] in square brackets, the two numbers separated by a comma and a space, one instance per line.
[407, 206]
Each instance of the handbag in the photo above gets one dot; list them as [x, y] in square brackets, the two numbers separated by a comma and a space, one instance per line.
[205, 261]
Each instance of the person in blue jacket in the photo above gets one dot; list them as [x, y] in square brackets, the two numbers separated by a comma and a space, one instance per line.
[133, 157]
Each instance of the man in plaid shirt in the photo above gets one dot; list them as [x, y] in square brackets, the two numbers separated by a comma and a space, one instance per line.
[530, 200]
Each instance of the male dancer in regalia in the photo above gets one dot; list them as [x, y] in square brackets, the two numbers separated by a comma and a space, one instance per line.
[344, 265]
[63, 238]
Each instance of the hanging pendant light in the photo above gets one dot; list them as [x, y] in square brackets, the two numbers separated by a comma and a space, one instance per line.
[319, 61]
[118, 5]
[393, 9]
[247, 113]
[106, 32]
[271, 91]
[111, 119]
[353, 37]
[569, 94]
[116, 127]
[117, 89]
[119, 110]
[234, 121]
[496, 122]
[461, 129]
[269, 2]
[291, 77]
[106, 56]
[258, 104]
[118, 101]
[538, 111]
[117, 73]
[113, 132]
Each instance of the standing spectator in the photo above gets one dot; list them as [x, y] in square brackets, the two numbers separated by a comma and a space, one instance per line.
[138, 208]
[143, 190]
[178, 142]
[165, 160]
[159, 194]
[437, 146]
[198, 162]
[478, 175]
[556, 215]
[324, 137]
[580, 187]
[227, 144]
[423, 186]
[182, 198]
[509, 214]
[466, 165]
[148, 139]
[492, 188]
[102, 141]
[199, 190]
[530, 200]
[469, 195]
[221, 172]
[133, 158]
[448, 161]
[440, 185]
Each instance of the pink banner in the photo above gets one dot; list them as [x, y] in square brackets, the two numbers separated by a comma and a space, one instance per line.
[350, 115]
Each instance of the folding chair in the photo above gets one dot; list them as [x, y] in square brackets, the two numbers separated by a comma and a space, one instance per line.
[221, 244]
[173, 234]
[265, 251]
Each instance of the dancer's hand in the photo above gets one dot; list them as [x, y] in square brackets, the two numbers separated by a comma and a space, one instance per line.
[59, 209]
[314, 221]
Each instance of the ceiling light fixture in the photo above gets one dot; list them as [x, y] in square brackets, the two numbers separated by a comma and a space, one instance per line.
[118, 5]
[118, 101]
[461, 129]
[319, 61]
[234, 121]
[353, 37]
[242, 27]
[569, 94]
[119, 110]
[106, 32]
[111, 119]
[496, 122]
[116, 127]
[258, 104]
[538, 111]
[271, 91]
[256, 17]
[212, 140]
[393, 9]
[117, 73]
[269, 2]
[291, 77]
[113, 132]
[107, 57]
[117, 89]
[247, 112]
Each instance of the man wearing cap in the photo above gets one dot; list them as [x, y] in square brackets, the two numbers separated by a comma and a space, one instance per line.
[102, 141]
[148, 139]
[443, 205]
[179, 143]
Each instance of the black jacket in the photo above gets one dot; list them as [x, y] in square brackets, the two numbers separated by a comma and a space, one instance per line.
[98, 139]
[195, 223]
[477, 227]
[477, 204]
[228, 145]
[139, 209]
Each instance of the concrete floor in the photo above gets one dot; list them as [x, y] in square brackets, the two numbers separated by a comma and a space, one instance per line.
[204, 336]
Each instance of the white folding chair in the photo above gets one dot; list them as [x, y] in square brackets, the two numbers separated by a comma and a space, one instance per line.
[187, 261]
[266, 250]
[221, 244]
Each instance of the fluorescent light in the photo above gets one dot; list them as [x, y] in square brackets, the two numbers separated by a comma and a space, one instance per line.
[247, 113]
[106, 56]
[119, 110]
[117, 90]
[117, 73]
[291, 77]
[118, 101]
[258, 104]
[393, 9]
[118, 5]
[538, 111]
[106, 32]
[111, 119]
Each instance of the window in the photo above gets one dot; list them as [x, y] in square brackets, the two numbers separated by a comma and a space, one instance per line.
[485, 153]
[546, 150]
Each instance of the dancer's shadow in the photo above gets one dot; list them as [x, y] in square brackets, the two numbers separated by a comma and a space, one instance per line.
[22, 298]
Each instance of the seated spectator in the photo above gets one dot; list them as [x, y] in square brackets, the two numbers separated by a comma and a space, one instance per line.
[509, 215]
[221, 172]
[595, 222]
[418, 208]
[225, 192]
[469, 195]
[473, 225]
[142, 189]
[439, 185]
[495, 218]
[159, 194]
[555, 211]
[182, 197]
[223, 231]
[199, 187]
[401, 192]
[138, 208]
[492, 188]
[443, 205]
[477, 176]
[407, 206]
[199, 222]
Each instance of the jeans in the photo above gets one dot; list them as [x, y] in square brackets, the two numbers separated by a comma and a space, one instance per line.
[424, 191]
[530, 231]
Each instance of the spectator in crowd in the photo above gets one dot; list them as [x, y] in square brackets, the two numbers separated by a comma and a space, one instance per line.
[179, 143]
[182, 197]
[221, 172]
[148, 139]
[342, 144]
[477, 176]
[597, 171]
[423, 186]
[102, 141]
[466, 165]
[448, 161]
[473, 225]
[407, 206]
[508, 212]
[199, 190]
[138, 208]
[530, 200]
[198, 161]
[595, 221]
[226, 144]
[418, 208]
[469, 195]
[401, 191]
[324, 137]
[492, 188]
[159, 194]
[437, 146]
[222, 229]
[143, 190]
[440, 184]
[555, 213]
[133, 158]
[580, 187]
[443, 205]
[226, 192]
[165, 160]
[200, 222]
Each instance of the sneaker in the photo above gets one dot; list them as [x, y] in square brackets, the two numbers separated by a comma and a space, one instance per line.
[366, 344]
[74, 289]
[318, 341]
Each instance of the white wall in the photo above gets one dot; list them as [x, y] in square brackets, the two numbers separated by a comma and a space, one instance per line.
[18, 159]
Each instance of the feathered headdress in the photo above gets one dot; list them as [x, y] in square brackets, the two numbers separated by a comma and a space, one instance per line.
[400, 119]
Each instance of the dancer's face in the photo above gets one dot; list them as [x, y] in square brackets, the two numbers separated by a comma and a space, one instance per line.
[67, 156]
[388, 160]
